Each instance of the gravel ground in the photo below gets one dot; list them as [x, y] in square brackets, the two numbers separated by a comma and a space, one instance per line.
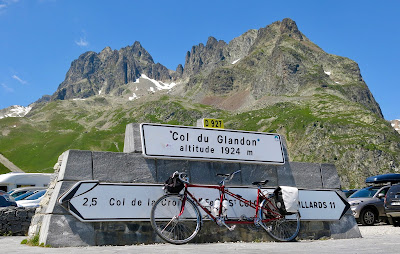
[376, 239]
[379, 231]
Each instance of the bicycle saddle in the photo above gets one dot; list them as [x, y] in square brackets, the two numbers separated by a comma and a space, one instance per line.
[260, 183]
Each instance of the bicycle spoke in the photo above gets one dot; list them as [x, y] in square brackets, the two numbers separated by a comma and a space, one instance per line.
[168, 224]
[279, 228]
[172, 225]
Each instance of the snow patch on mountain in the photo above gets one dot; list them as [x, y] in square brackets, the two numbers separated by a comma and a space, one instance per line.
[14, 111]
[396, 124]
[133, 97]
[237, 60]
[160, 85]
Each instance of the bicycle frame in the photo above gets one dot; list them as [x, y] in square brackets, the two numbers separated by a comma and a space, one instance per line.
[223, 192]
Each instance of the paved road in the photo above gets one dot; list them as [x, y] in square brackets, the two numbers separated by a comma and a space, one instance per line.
[8, 164]
[376, 239]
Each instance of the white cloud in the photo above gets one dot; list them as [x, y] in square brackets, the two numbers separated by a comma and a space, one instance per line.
[19, 80]
[82, 42]
[3, 8]
[4, 4]
[8, 89]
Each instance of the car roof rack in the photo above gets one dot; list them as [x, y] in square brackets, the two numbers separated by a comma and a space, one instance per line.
[385, 178]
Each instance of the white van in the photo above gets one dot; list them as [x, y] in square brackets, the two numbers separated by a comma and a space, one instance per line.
[11, 181]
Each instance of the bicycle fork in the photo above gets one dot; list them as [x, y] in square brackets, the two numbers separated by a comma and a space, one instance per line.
[176, 217]
[259, 212]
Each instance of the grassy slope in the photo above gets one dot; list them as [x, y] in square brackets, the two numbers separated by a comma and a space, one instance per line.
[317, 130]
[359, 143]
[3, 169]
[36, 142]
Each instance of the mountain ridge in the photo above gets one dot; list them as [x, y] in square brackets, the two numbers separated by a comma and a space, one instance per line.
[277, 60]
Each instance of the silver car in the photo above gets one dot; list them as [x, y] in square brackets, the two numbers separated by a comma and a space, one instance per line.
[367, 204]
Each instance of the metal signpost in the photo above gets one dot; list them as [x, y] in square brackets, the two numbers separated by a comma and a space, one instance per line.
[91, 201]
[191, 143]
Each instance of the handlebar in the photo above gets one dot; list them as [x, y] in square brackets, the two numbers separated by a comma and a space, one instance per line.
[185, 178]
[228, 177]
[182, 176]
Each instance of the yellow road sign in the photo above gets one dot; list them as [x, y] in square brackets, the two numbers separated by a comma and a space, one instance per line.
[213, 123]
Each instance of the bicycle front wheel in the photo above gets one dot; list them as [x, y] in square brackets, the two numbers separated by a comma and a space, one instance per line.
[173, 222]
[280, 227]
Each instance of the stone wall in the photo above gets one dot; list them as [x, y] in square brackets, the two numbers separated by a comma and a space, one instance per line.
[15, 220]
[57, 227]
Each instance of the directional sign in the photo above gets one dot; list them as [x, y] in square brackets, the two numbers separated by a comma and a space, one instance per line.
[321, 205]
[93, 201]
[191, 143]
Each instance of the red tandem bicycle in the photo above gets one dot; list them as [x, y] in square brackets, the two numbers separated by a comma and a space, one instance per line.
[176, 218]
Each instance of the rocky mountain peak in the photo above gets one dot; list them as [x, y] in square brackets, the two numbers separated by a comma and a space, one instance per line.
[94, 73]
[290, 28]
[204, 58]
[239, 47]
[139, 52]
[277, 60]
[105, 53]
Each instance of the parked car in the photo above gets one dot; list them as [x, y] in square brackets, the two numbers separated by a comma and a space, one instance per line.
[349, 192]
[6, 200]
[33, 200]
[25, 195]
[19, 191]
[392, 205]
[367, 204]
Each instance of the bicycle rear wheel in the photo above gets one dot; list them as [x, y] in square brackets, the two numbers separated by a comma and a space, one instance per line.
[173, 225]
[280, 228]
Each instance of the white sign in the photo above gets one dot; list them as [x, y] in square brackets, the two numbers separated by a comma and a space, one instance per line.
[191, 143]
[321, 205]
[94, 201]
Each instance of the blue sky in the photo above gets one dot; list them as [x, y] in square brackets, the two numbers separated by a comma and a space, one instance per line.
[40, 38]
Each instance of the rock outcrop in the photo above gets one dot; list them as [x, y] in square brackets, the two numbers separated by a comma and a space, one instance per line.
[94, 73]
[277, 60]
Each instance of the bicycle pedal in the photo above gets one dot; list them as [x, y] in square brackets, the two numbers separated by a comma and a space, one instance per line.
[221, 222]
